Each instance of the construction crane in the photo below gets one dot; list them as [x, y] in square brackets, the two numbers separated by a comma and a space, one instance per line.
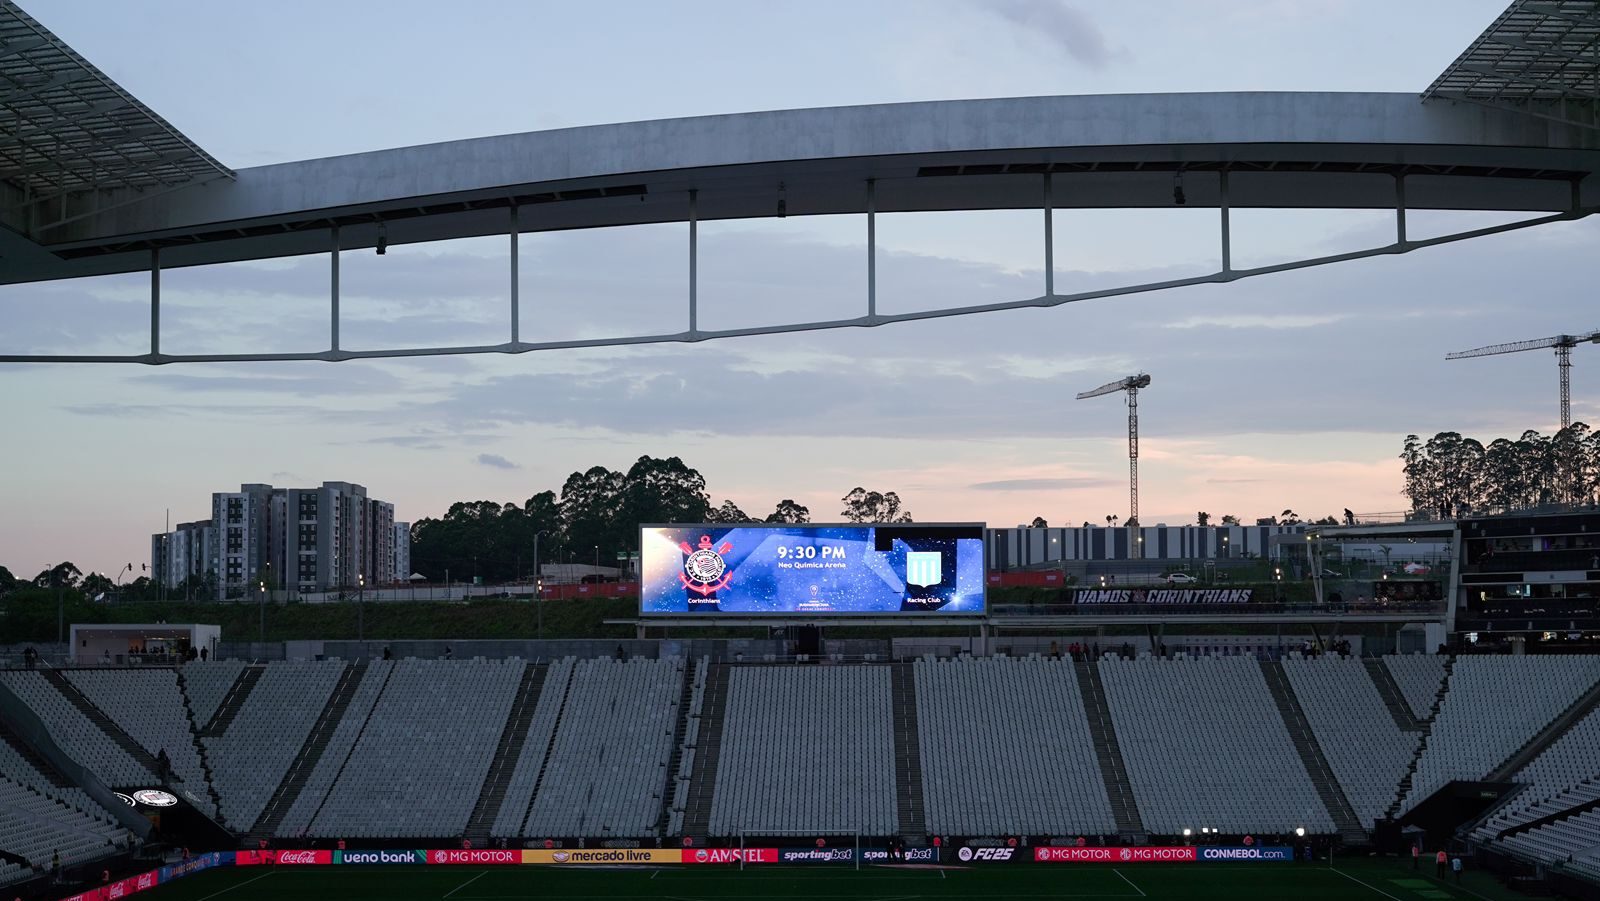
[1131, 384]
[1563, 345]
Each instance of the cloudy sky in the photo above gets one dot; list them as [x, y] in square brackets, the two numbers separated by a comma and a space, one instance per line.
[1283, 391]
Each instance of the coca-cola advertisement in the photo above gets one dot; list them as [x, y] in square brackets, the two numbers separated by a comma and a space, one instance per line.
[288, 857]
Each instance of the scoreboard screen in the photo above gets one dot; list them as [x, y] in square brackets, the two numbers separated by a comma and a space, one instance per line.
[755, 569]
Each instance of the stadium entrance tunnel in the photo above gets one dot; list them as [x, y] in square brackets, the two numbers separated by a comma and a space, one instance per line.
[1447, 810]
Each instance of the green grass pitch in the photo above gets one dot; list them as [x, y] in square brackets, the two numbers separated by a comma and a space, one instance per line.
[1354, 880]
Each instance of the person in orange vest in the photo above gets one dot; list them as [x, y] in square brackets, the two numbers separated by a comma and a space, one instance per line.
[1416, 854]
[1440, 860]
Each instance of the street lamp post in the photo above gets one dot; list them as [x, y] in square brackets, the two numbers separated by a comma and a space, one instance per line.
[538, 580]
[361, 607]
[261, 605]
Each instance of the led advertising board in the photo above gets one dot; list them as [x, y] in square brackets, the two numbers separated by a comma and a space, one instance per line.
[804, 570]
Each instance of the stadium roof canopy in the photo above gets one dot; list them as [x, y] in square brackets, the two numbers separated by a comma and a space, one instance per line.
[66, 127]
[94, 183]
[1540, 57]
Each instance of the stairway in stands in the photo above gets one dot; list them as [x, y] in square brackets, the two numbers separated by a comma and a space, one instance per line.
[907, 752]
[199, 747]
[1389, 690]
[703, 783]
[48, 770]
[105, 723]
[237, 694]
[685, 703]
[550, 746]
[506, 754]
[1404, 787]
[1113, 770]
[1547, 736]
[310, 752]
[1305, 742]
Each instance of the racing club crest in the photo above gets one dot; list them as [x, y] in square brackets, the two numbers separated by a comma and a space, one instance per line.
[704, 570]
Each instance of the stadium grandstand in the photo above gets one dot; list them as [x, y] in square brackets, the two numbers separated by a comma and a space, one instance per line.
[665, 752]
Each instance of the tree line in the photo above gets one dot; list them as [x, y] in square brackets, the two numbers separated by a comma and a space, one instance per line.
[1449, 475]
[595, 517]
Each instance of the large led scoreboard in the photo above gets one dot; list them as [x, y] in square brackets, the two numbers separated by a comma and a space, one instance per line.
[805, 570]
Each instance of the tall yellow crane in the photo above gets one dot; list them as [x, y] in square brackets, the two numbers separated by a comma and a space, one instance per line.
[1131, 385]
[1563, 345]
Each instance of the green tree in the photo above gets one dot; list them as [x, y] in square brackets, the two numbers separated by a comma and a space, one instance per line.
[8, 582]
[663, 490]
[861, 505]
[591, 504]
[62, 575]
[1202, 519]
[789, 512]
[729, 512]
[1039, 522]
[95, 584]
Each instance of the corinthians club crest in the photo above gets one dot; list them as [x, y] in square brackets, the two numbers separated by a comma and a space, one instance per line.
[704, 570]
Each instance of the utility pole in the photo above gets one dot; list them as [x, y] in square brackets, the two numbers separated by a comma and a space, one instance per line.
[538, 580]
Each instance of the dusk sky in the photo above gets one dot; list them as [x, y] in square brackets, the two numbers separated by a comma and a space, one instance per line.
[1286, 391]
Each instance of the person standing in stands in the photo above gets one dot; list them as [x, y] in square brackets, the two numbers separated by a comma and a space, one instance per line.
[449, 654]
[204, 653]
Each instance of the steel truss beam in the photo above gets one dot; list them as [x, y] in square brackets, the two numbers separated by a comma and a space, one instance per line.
[872, 318]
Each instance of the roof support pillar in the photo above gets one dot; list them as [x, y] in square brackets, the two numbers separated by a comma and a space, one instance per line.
[694, 260]
[1400, 210]
[1049, 239]
[515, 299]
[872, 248]
[155, 301]
[333, 325]
[1225, 224]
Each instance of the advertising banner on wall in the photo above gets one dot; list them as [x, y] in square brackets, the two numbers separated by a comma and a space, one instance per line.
[1144, 854]
[991, 855]
[731, 855]
[820, 855]
[1163, 596]
[907, 855]
[788, 570]
[380, 857]
[290, 857]
[604, 856]
[475, 856]
[1242, 852]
